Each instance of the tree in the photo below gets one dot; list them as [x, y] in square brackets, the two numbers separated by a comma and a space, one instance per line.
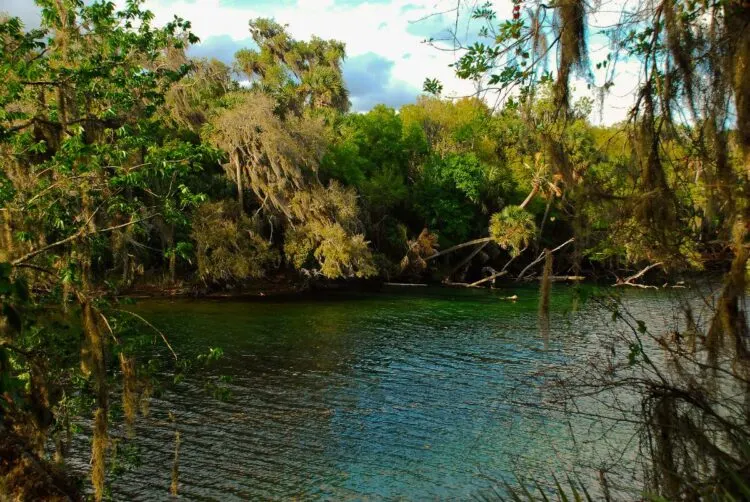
[275, 155]
[693, 76]
[85, 155]
[299, 75]
[274, 136]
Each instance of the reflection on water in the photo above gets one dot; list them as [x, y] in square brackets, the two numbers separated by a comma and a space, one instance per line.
[397, 395]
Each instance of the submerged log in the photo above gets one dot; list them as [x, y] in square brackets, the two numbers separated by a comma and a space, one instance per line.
[565, 278]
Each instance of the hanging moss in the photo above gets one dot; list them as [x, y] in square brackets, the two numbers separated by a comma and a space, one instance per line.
[558, 157]
[229, 245]
[572, 54]
[99, 453]
[94, 341]
[175, 484]
[544, 296]
[538, 36]
[96, 344]
[679, 43]
[729, 322]
[664, 423]
[737, 19]
[129, 391]
[275, 156]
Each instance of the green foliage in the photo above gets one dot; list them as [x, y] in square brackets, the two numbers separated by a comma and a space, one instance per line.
[297, 74]
[447, 194]
[432, 86]
[229, 247]
[326, 238]
[118, 158]
[513, 228]
[373, 154]
[464, 172]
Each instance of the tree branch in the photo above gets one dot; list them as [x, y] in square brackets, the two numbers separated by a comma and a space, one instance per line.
[459, 246]
[80, 233]
[541, 257]
[163, 337]
[487, 279]
[629, 280]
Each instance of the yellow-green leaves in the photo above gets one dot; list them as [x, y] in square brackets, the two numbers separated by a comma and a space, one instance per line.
[513, 228]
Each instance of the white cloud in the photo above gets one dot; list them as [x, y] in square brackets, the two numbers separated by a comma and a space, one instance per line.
[389, 28]
[379, 28]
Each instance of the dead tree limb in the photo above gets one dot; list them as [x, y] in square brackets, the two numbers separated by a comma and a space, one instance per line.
[541, 257]
[489, 278]
[534, 191]
[486, 240]
[629, 280]
[468, 259]
[459, 246]
[144, 321]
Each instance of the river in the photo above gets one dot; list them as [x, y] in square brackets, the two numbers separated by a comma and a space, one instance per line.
[411, 393]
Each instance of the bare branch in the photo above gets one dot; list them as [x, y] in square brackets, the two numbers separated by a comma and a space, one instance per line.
[459, 246]
[541, 257]
[629, 281]
[487, 279]
[80, 233]
[163, 337]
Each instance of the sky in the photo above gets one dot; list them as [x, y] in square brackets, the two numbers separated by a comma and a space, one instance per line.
[387, 57]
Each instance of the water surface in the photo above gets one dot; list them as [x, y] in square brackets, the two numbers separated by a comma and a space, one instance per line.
[411, 393]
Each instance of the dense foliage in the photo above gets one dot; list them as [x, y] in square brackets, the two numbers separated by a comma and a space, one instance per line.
[125, 164]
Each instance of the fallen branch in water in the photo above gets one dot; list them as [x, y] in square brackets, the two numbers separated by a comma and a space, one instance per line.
[541, 258]
[636, 285]
[468, 259]
[487, 279]
[456, 284]
[629, 280]
[483, 240]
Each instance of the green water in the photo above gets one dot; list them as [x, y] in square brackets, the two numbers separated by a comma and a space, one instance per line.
[410, 393]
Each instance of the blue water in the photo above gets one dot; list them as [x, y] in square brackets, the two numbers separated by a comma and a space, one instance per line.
[405, 394]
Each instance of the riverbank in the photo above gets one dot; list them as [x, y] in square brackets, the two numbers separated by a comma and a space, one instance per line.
[284, 287]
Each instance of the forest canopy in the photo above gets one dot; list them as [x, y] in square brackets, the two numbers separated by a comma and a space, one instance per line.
[126, 164]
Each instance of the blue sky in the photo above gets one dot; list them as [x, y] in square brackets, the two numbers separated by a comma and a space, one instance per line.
[387, 60]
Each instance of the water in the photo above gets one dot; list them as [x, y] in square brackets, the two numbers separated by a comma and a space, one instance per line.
[408, 394]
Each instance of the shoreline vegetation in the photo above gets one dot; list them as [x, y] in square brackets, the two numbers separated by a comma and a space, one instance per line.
[127, 164]
[287, 288]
